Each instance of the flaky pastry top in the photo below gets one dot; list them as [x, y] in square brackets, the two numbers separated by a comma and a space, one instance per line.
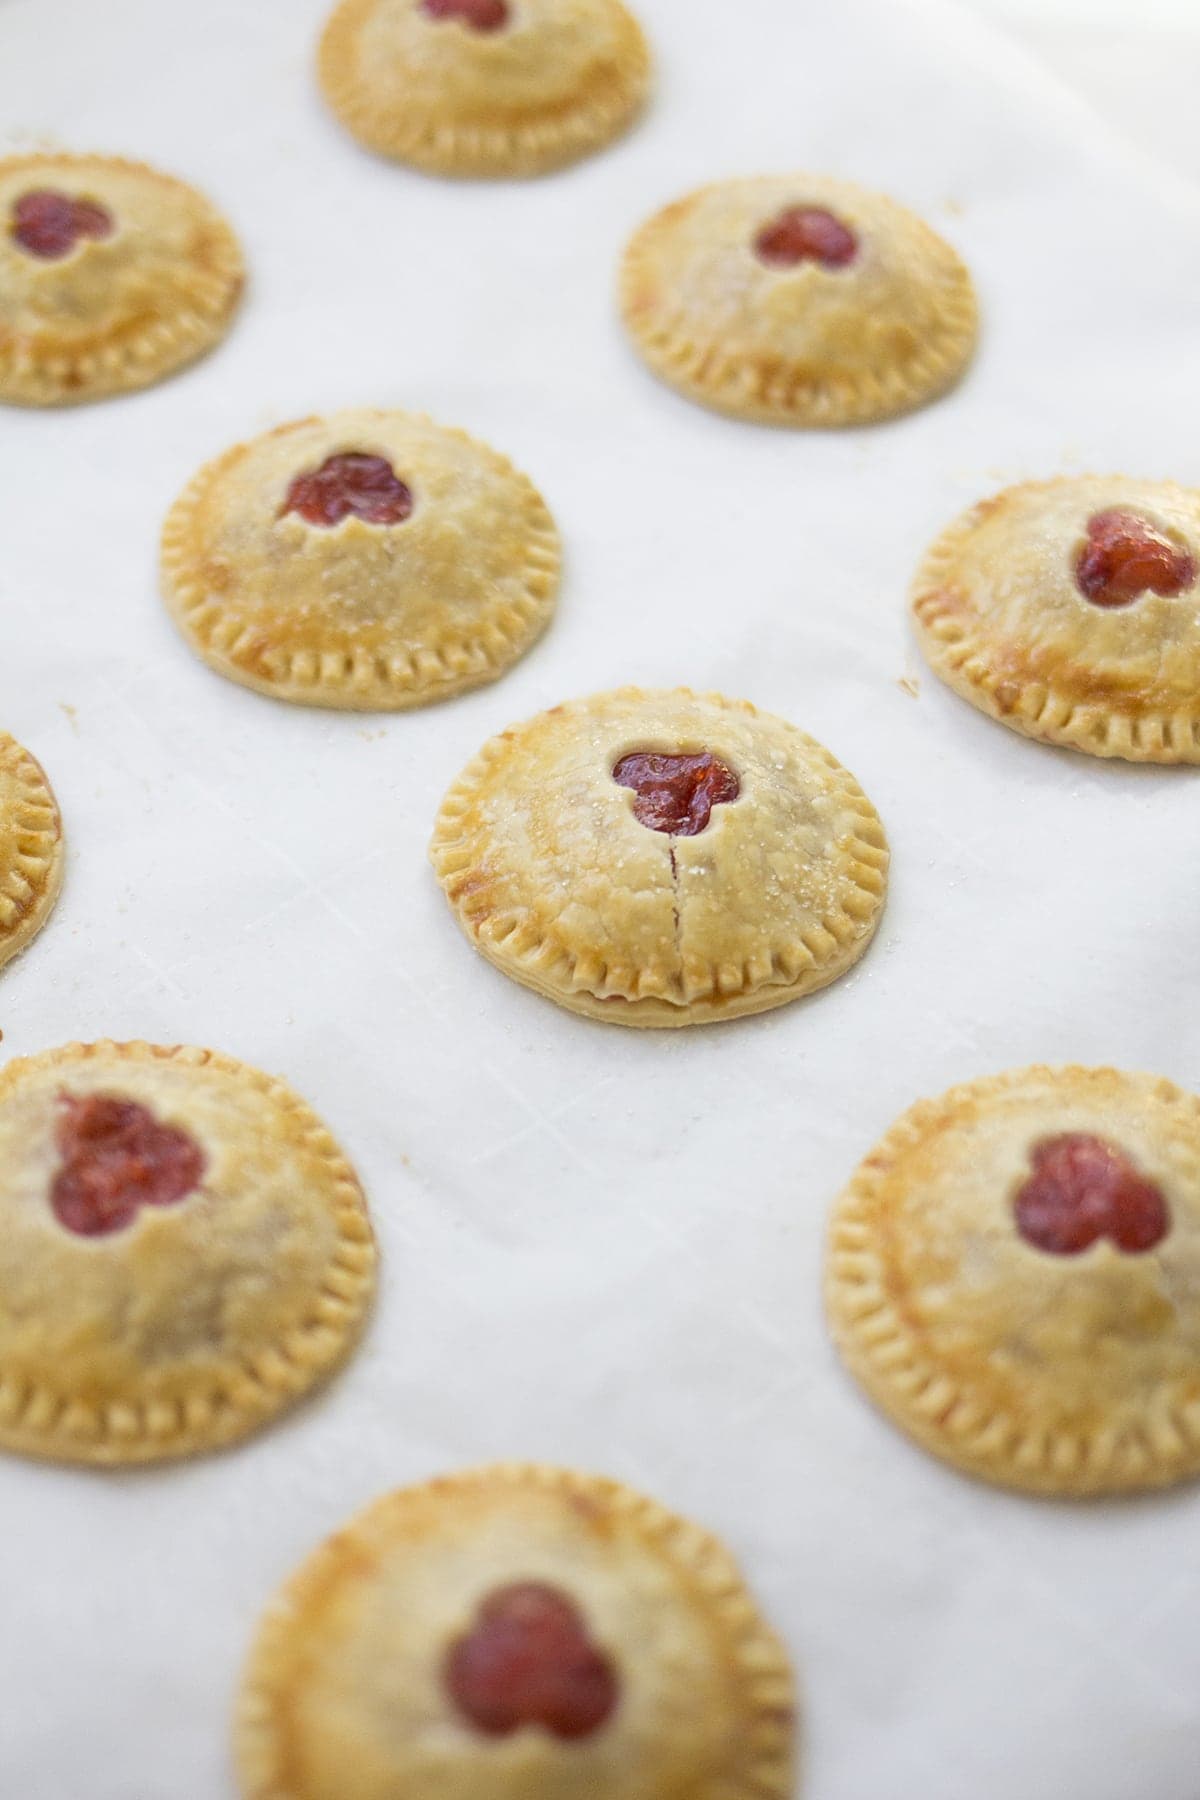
[542, 854]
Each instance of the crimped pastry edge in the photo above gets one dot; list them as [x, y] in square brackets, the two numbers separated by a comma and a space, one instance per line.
[959, 658]
[554, 973]
[876, 1352]
[414, 135]
[754, 1648]
[36, 1422]
[31, 909]
[339, 679]
[141, 360]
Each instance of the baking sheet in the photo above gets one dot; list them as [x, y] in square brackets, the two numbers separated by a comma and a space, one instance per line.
[603, 1247]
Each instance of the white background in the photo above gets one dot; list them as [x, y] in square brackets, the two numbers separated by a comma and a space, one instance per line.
[1137, 61]
[603, 1247]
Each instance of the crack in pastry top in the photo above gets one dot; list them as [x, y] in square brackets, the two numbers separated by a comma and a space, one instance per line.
[542, 852]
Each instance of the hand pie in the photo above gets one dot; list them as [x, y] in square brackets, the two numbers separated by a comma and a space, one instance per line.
[111, 276]
[798, 300]
[484, 87]
[1070, 611]
[1014, 1277]
[31, 848]
[662, 858]
[516, 1633]
[371, 560]
[185, 1251]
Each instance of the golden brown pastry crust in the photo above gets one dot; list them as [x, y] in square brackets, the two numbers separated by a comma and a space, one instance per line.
[556, 882]
[805, 345]
[31, 848]
[375, 617]
[1055, 1374]
[564, 78]
[119, 312]
[343, 1698]
[1001, 620]
[193, 1325]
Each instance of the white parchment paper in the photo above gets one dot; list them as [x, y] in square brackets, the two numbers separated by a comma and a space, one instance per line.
[602, 1247]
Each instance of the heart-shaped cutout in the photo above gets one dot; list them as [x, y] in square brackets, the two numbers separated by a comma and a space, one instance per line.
[479, 15]
[806, 234]
[117, 1158]
[529, 1660]
[676, 794]
[1083, 1189]
[350, 482]
[1126, 555]
[49, 224]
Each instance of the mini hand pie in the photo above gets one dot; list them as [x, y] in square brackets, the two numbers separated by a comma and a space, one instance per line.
[111, 276]
[517, 1633]
[31, 848]
[484, 87]
[184, 1251]
[1070, 611]
[1012, 1277]
[662, 858]
[798, 300]
[371, 560]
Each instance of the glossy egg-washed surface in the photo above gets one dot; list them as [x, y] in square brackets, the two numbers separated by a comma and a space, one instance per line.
[557, 879]
[1014, 1277]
